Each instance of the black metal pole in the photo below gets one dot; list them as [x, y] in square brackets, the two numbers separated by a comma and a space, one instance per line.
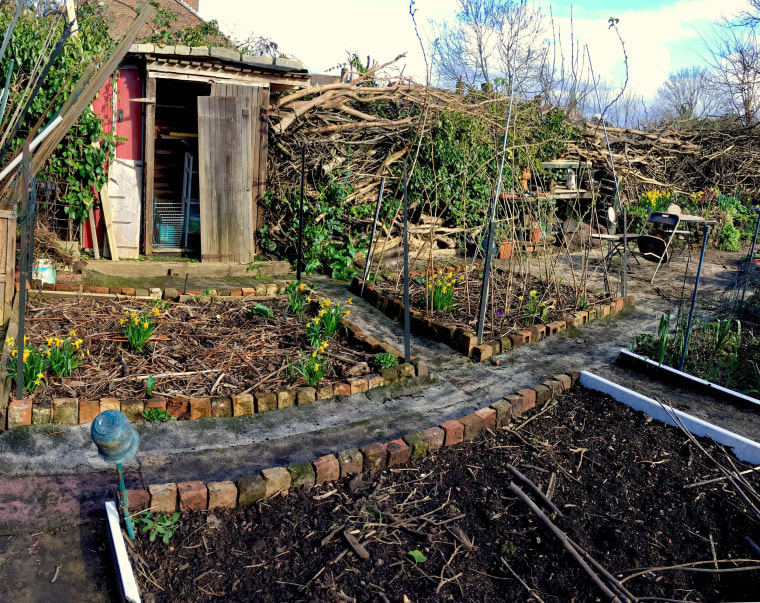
[694, 299]
[25, 220]
[187, 277]
[374, 229]
[407, 334]
[299, 259]
[749, 261]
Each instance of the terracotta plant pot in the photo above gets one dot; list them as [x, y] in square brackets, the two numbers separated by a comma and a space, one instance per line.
[535, 235]
[505, 251]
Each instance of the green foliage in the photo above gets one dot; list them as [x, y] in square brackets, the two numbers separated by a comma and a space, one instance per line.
[77, 164]
[730, 237]
[158, 525]
[384, 360]
[418, 556]
[326, 323]
[297, 298]
[158, 415]
[64, 355]
[34, 365]
[138, 327]
[258, 309]
[206, 33]
[441, 291]
[150, 385]
[654, 346]
[311, 367]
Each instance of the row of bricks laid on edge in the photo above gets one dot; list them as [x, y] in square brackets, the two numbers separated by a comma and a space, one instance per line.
[72, 411]
[259, 290]
[196, 495]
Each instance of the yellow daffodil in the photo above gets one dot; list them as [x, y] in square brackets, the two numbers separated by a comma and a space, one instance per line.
[301, 287]
[347, 312]
[26, 340]
[48, 353]
[520, 298]
[132, 314]
[73, 333]
[77, 343]
[49, 341]
[145, 325]
[444, 289]
[308, 299]
[121, 322]
[10, 341]
[26, 355]
[156, 311]
[533, 293]
[313, 354]
[137, 320]
[40, 375]
[451, 274]
[350, 301]
[14, 353]
[322, 312]
[316, 367]
[327, 303]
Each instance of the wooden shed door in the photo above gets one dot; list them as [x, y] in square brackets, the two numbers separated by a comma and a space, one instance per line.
[224, 147]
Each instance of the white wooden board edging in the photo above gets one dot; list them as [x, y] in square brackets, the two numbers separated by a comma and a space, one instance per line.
[124, 573]
[714, 387]
[745, 449]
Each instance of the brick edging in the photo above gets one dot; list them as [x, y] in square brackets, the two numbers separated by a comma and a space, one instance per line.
[72, 411]
[464, 341]
[268, 483]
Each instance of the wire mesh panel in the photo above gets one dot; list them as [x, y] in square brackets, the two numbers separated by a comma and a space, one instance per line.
[168, 220]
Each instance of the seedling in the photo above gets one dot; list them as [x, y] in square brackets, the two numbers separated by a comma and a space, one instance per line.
[258, 309]
[159, 525]
[384, 360]
[417, 556]
[157, 415]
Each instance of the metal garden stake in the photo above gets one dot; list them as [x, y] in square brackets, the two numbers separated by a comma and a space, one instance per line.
[756, 209]
[407, 334]
[299, 258]
[117, 441]
[694, 299]
[374, 229]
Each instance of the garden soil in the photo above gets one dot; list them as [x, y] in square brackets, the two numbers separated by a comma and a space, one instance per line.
[447, 527]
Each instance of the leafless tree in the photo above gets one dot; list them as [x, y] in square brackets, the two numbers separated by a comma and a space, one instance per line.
[686, 94]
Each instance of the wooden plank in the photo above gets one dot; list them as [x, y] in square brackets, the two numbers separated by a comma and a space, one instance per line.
[8, 265]
[261, 176]
[125, 182]
[105, 203]
[225, 205]
[149, 158]
[206, 75]
[94, 234]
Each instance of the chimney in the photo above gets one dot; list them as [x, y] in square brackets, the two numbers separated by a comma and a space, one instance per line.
[192, 4]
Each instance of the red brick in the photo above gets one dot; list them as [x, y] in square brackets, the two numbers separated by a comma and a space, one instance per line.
[374, 380]
[435, 437]
[243, 403]
[286, 398]
[249, 291]
[66, 411]
[163, 498]
[20, 413]
[372, 345]
[236, 293]
[88, 289]
[466, 342]
[561, 326]
[398, 452]
[454, 432]
[221, 407]
[555, 387]
[482, 352]
[138, 499]
[341, 389]
[628, 301]
[488, 417]
[88, 410]
[528, 399]
[327, 469]
[518, 339]
[261, 290]
[101, 290]
[66, 287]
[222, 495]
[193, 496]
[503, 409]
[575, 376]
[199, 408]
[178, 407]
[111, 290]
[325, 392]
[604, 310]
[472, 426]
[358, 385]
[109, 404]
[133, 410]
[351, 462]
[537, 332]
[516, 401]
[565, 380]
[154, 403]
[574, 321]
[277, 480]
[542, 394]
[619, 304]
[592, 313]
[527, 336]
[375, 457]
[128, 291]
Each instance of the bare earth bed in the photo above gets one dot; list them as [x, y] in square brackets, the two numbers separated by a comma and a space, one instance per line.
[618, 479]
[204, 348]
[508, 310]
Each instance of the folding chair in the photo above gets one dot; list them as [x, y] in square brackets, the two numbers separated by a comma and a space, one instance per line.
[615, 242]
[657, 248]
[683, 238]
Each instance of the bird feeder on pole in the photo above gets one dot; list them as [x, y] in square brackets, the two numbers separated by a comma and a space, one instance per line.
[117, 441]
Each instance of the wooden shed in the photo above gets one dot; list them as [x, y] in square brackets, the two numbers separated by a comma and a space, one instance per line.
[191, 174]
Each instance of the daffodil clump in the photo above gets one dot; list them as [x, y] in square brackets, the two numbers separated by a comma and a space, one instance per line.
[440, 291]
[536, 310]
[297, 298]
[326, 323]
[65, 355]
[138, 327]
[312, 367]
[35, 364]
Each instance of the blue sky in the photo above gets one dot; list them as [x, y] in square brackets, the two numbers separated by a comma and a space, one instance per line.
[660, 36]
